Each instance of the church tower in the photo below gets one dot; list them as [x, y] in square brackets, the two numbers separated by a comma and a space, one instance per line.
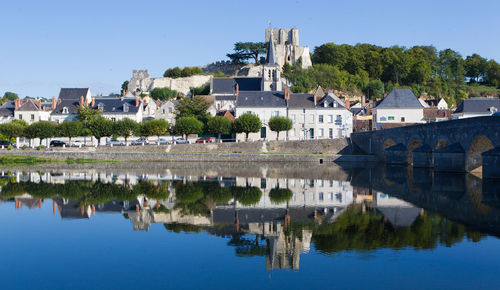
[271, 72]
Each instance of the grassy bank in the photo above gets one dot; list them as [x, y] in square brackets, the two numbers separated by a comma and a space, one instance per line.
[13, 160]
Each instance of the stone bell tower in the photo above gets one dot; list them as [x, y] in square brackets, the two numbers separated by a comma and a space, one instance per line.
[271, 72]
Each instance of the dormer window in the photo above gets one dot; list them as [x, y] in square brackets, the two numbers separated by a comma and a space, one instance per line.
[100, 107]
[325, 104]
[335, 104]
[125, 108]
[65, 110]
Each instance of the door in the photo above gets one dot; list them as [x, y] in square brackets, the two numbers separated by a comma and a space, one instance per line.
[311, 133]
[263, 133]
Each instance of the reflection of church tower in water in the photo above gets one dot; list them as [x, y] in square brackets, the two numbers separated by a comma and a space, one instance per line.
[271, 72]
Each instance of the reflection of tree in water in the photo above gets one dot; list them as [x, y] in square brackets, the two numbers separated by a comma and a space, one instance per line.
[356, 231]
[246, 247]
[280, 195]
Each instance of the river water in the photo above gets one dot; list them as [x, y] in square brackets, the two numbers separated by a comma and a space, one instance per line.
[250, 226]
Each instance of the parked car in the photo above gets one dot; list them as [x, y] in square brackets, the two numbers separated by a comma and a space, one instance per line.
[162, 141]
[115, 142]
[204, 140]
[77, 143]
[57, 143]
[180, 140]
[140, 141]
[6, 143]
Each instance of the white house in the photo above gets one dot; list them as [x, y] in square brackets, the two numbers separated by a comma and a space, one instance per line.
[400, 108]
[33, 111]
[318, 118]
[166, 111]
[115, 108]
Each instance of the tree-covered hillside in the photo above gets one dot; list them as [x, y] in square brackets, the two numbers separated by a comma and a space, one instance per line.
[373, 70]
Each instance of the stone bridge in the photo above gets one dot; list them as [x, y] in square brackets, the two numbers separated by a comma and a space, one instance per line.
[455, 145]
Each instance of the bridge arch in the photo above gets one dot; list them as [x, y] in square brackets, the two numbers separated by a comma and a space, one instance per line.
[441, 144]
[479, 144]
[414, 143]
[387, 143]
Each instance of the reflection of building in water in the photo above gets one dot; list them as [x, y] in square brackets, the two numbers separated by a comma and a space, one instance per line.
[398, 212]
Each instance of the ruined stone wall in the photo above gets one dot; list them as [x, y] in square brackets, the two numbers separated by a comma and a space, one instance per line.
[141, 82]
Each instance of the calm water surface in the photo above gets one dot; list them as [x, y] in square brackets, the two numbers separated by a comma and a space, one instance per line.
[248, 227]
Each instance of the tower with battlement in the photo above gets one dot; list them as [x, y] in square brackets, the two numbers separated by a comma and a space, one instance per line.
[287, 47]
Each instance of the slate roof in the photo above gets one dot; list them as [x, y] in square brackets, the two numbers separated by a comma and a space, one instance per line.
[400, 98]
[400, 216]
[301, 101]
[266, 99]
[331, 98]
[225, 98]
[271, 52]
[228, 85]
[29, 105]
[115, 105]
[72, 106]
[7, 109]
[72, 93]
[478, 105]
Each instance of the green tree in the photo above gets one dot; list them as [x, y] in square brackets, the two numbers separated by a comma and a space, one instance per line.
[247, 123]
[219, 125]
[125, 128]
[249, 195]
[374, 89]
[280, 123]
[12, 129]
[42, 130]
[192, 107]
[163, 94]
[124, 88]
[493, 74]
[188, 125]
[177, 72]
[476, 67]
[247, 50]
[70, 129]
[280, 195]
[9, 96]
[203, 90]
[100, 127]
[157, 127]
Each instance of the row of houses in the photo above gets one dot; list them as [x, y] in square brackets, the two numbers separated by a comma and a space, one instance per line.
[65, 108]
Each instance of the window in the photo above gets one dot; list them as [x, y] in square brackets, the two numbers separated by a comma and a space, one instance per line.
[311, 133]
[338, 120]
[330, 133]
[383, 119]
[125, 108]
[170, 109]
[330, 118]
[32, 117]
[339, 133]
[311, 183]
[65, 110]
[402, 119]
[391, 118]
[293, 118]
[20, 117]
[263, 183]
[276, 113]
[325, 104]
[292, 133]
[263, 133]
[321, 118]
[311, 118]
[321, 132]
[113, 119]
[100, 106]
[321, 196]
[335, 104]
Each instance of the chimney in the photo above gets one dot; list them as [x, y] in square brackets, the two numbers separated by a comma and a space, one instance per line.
[347, 104]
[16, 104]
[157, 104]
[315, 101]
[237, 89]
[81, 101]
[136, 101]
[370, 107]
[363, 101]
[93, 102]
[53, 103]
[39, 103]
[59, 101]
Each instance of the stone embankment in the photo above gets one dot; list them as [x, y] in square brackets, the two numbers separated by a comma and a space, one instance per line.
[321, 151]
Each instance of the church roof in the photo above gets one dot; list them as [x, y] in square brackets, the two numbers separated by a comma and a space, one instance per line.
[271, 51]
[228, 85]
[400, 98]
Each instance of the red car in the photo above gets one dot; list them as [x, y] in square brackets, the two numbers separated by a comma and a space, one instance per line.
[204, 140]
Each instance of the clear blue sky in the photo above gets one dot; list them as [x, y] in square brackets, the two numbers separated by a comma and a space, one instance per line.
[46, 45]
